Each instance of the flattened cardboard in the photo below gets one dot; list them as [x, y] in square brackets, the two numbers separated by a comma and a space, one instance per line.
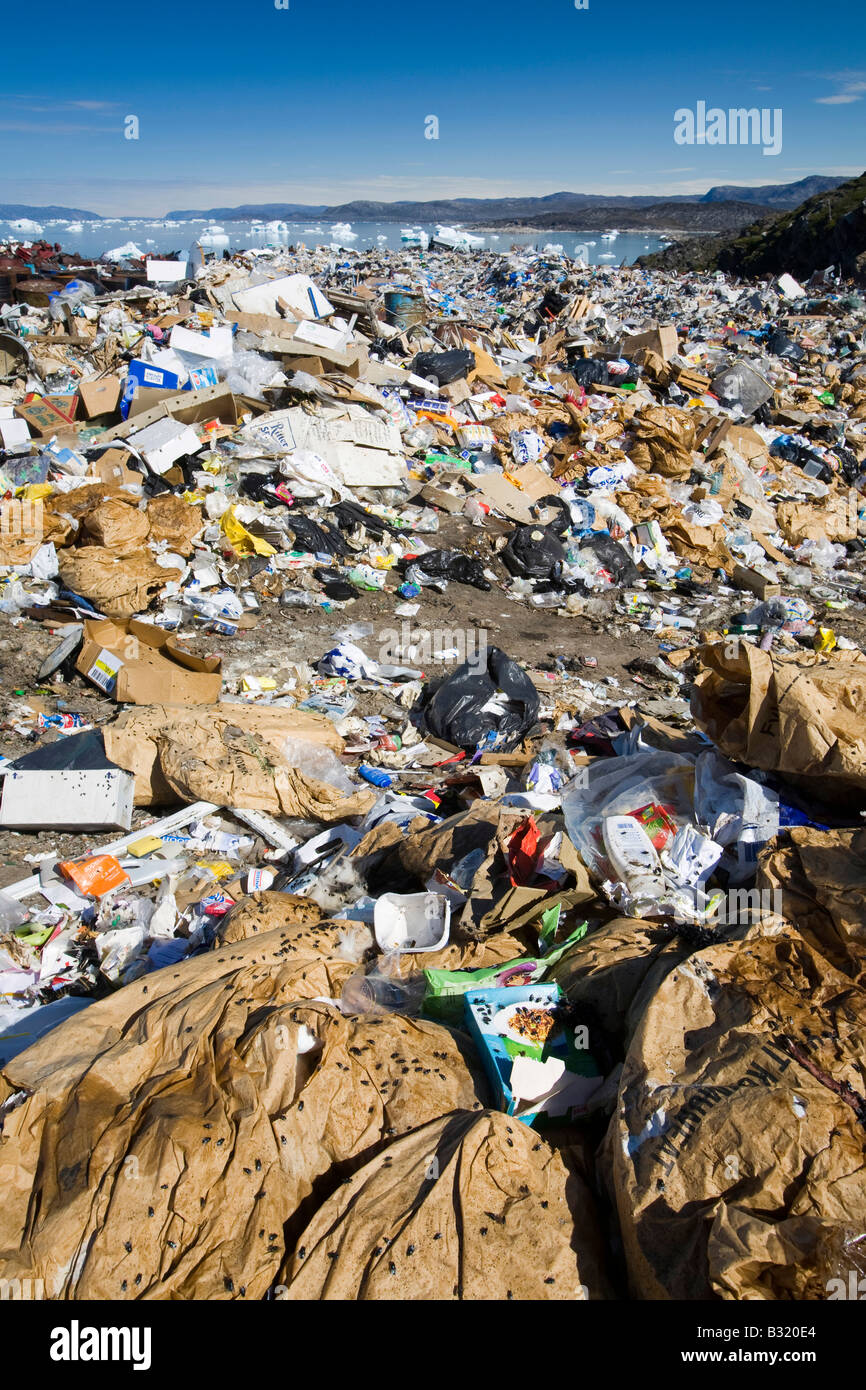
[507, 499]
[112, 468]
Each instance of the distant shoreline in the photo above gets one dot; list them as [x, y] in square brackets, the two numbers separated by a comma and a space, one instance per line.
[594, 232]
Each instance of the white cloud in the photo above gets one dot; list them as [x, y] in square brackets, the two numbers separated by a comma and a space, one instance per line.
[853, 89]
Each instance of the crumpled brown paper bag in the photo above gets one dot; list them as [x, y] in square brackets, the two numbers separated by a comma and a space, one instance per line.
[230, 755]
[616, 969]
[700, 545]
[174, 521]
[740, 1117]
[819, 879]
[166, 1134]
[830, 519]
[804, 716]
[664, 439]
[471, 1206]
[117, 586]
[116, 526]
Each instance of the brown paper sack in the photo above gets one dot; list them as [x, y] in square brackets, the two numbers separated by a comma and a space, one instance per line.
[116, 526]
[471, 1206]
[166, 1134]
[230, 755]
[664, 439]
[735, 1155]
[175, 521]
[615, 970]
[821, 876]
[116, 586]
[803, 716]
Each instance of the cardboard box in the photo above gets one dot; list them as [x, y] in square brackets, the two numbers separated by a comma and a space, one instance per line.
[747, 578]
[507, 499]
[112, 468]
[215, 345]
[65, 405]
[149, 374]
[302, 296]
[141, 664]
[143, 401]
[166, 272]
[192, 407]
[100, 396]
[660, 339]
[42, 417]
[164, 442]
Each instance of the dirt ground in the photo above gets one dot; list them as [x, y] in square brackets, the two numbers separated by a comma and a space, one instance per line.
[535, 637]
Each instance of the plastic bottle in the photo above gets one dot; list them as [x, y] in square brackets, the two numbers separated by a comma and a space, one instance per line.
[375, 776]
[297, 598]
[634, 859]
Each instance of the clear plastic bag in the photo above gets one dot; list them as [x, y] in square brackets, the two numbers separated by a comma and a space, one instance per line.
[622, 786]
[319, 763]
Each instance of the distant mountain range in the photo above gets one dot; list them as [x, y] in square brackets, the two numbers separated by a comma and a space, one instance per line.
[777, 196]
[481, 211]
[774, 195]
[657, 217]
[10, 211]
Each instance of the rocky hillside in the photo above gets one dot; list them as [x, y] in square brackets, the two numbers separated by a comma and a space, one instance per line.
[662, 217]
[827, 229]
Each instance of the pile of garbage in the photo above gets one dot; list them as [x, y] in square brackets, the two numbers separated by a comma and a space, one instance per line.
[344, 956]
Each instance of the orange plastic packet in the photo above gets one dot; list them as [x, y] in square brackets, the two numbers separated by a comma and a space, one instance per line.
[95, 877]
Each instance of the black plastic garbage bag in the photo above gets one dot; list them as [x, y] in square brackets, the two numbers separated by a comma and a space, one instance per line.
[593, 371]
[261, 486]
[444, 366]
[552, 303]
[533, 552]
[780, 345]
[456, 708]
[348, 515]
[615, 559]
[789, 449]
[316, 538]
[452, 564]
[560, 524]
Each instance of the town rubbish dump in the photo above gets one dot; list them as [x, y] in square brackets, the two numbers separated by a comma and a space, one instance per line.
[433, 778]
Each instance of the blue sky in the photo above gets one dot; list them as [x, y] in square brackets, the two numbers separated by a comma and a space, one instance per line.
[326, 101]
